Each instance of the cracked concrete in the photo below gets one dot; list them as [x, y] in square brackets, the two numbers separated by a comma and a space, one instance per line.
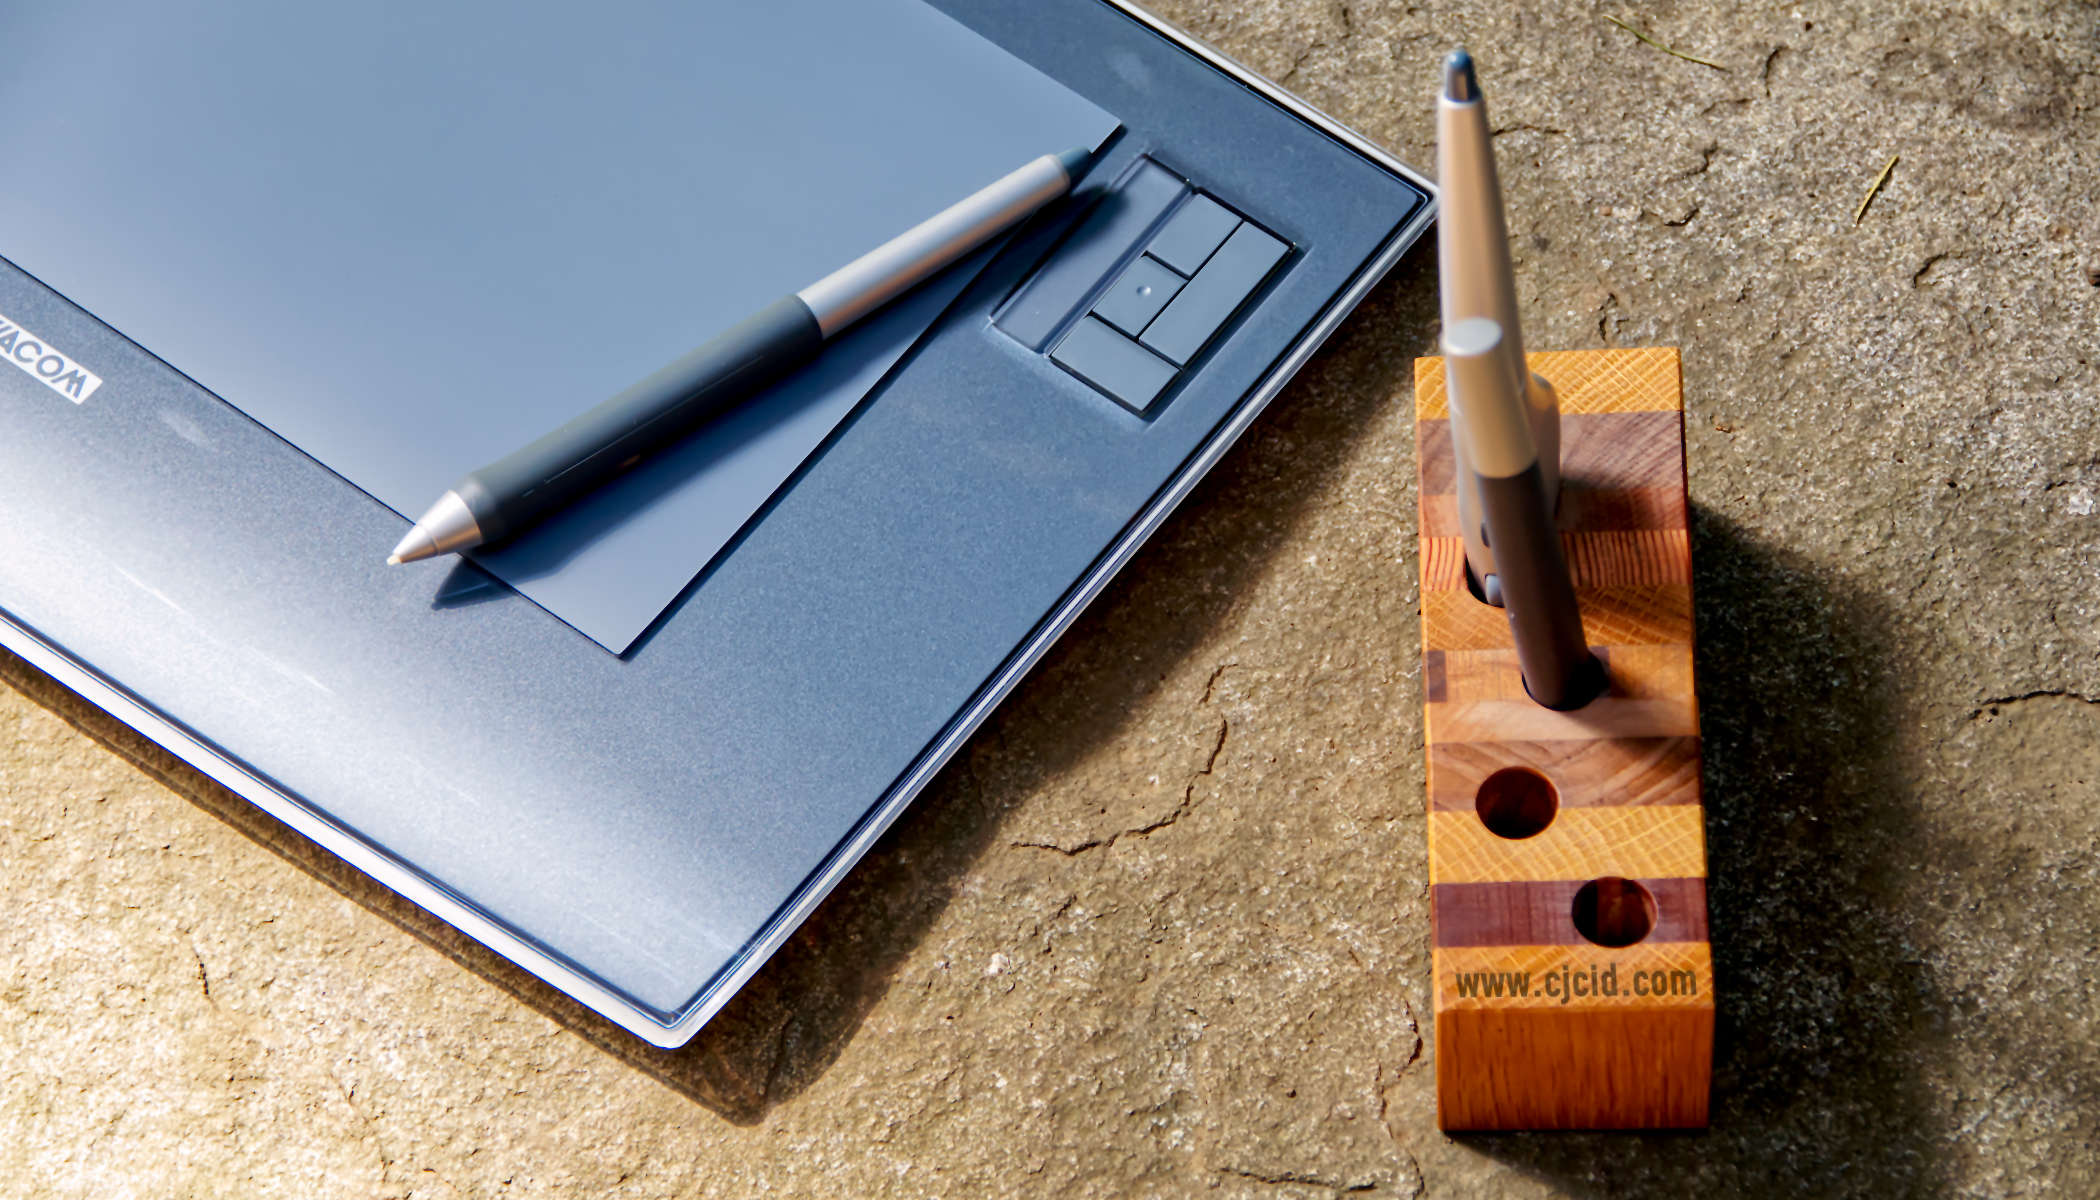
[1894, 438]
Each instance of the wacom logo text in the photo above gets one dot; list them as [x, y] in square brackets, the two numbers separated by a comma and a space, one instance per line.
[35, 356]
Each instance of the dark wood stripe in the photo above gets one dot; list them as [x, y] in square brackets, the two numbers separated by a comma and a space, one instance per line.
[1436, 465]
[1622, 449]
[1539, 914]
[1611, 771]
[1586, 507]
[1607, 451]
[1433, 676]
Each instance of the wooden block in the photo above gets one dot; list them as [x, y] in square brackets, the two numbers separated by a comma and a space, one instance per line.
[1567, 857]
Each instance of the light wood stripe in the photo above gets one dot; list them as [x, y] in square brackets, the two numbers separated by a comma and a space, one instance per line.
[1660, 770]
[1547, 976]
[1609, 558]
[1646, 615]
[1588, 381]
[1661, 841]
[1524, 721]
[1637, 673]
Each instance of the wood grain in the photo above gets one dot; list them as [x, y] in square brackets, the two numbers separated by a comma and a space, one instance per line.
[1655, 614]
[1538, 1026]
[1650, 770]
[1589, 381]
[1640, 1067]
[1581, 844]
[1515, 914]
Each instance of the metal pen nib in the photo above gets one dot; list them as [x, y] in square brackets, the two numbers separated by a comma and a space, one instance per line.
[448, 527]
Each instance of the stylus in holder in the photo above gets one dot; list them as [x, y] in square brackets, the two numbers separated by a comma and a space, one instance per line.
[1499, 459]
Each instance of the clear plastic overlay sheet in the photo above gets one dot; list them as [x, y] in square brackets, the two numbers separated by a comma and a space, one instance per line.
[408, 237]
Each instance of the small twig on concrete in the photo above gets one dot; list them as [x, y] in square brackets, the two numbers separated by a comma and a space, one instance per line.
[1874, 191]
[1659, 46]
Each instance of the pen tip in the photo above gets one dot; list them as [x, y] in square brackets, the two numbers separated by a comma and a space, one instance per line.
[415, 547]
[1074, 162]
[1460, 83]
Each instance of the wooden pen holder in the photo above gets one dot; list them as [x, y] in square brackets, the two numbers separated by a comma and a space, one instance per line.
[1567, 857]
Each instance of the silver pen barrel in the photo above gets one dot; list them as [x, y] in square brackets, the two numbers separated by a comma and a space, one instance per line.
[893, 268]
[1475, 277]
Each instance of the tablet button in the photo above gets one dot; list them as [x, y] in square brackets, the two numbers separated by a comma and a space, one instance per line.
[1130, 374]
[1205, 302]
[1192, 233]
[1137, 296]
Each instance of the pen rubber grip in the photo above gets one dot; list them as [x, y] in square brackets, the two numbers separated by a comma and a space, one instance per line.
[553, 472]
[1538, 593]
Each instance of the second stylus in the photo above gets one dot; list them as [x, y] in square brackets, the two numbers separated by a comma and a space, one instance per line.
[537, 480]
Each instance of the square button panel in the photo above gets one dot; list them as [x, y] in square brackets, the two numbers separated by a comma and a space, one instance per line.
[1197, 268]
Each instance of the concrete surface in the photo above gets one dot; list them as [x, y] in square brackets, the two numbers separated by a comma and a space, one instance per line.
[1161, 929]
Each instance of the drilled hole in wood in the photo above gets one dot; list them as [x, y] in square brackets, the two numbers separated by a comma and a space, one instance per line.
[1516, 802]
[1614, 912]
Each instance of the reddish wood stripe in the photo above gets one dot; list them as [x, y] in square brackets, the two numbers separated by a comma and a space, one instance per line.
[1539, 1068]
[1586, 772]
[1604, 450]
[1585, 507]
[1625, 558]
[1443, 564]
[1539, 913]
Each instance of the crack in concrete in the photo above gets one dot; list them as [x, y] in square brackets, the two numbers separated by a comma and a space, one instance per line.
[1994, 705]
[1301, 1179]
[1188, 802]
[1525, 127]
[371, 1127]
[1611, 301]
[1765, 76]
[1348, 32]
[1917, 277]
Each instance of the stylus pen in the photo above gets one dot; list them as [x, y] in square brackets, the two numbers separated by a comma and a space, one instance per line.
[1474, 279]
[540, 479]
[1537, 591]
